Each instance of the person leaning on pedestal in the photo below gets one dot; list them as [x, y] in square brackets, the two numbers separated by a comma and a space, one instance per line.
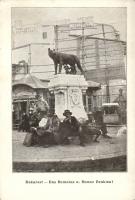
[41, 105]
[90, 127]
[98, 116]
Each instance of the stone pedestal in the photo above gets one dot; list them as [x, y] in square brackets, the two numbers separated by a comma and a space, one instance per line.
[68, 90]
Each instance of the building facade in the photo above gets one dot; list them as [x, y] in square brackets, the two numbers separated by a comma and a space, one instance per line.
[98, 47]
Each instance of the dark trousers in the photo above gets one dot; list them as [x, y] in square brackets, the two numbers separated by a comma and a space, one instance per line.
[66, 132]
[46, 138]
[103, 129]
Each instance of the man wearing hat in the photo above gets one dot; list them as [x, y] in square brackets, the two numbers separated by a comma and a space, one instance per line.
[71, 127]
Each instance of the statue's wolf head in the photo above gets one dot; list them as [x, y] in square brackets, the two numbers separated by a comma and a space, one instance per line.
[51, 53]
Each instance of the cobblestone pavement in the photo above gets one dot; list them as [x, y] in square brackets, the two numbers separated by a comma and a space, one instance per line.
[116, 146]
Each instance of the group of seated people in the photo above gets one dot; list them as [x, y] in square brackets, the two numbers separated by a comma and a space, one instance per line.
[50, 130]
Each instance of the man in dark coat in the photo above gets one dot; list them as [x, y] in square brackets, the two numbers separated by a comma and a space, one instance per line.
[71, 127]
[24, 125]
[33, 119]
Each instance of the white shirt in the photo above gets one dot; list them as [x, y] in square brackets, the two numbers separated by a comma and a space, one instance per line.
[43, 121]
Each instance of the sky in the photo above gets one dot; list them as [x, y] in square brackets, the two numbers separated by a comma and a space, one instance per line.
[48, 16]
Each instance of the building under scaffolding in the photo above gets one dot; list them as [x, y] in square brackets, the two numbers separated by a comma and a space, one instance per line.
[101, 53]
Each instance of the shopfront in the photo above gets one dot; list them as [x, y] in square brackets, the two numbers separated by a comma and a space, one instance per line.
[24, 96]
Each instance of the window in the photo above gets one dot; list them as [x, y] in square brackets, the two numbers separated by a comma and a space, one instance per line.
[89, 103]
[84, 101]
[44, 35]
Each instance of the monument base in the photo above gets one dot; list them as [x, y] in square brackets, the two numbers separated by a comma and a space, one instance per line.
[68, 90]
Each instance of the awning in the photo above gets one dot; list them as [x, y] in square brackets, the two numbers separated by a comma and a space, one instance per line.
[31, 81]
[110, 104]
[23, 100]
[92, 84]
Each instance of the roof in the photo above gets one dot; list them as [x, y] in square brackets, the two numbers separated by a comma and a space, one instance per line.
[93, 84]
[34, 82]
[31, 81]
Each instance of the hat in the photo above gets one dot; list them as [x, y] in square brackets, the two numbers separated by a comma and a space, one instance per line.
[67, 112]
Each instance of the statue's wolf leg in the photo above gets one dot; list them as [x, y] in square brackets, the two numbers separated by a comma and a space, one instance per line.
[60, 67]
[55, 65]
[79, 66]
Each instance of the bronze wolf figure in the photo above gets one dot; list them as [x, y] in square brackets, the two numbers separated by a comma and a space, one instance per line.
[65, 59]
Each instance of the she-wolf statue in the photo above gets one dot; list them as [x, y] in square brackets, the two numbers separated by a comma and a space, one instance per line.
[63, 59]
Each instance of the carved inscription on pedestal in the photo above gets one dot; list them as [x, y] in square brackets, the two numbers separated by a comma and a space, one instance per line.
[74, 95]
